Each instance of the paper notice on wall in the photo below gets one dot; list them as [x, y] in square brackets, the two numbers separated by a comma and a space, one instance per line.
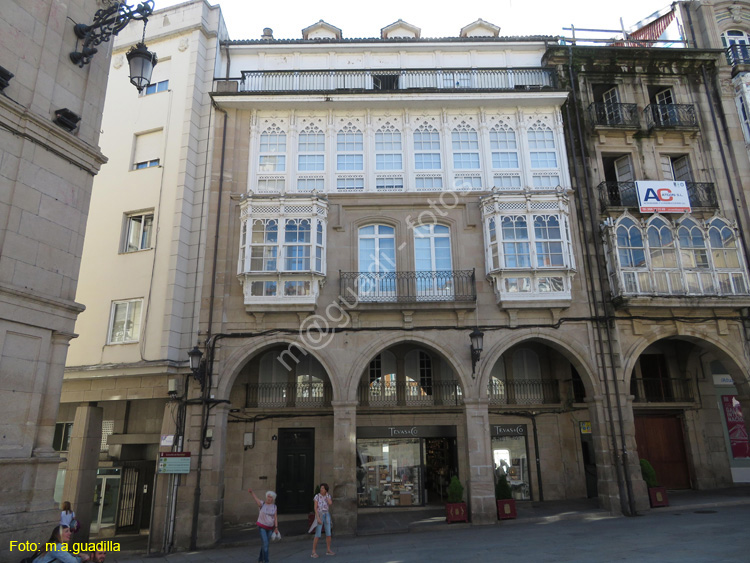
[736, 427]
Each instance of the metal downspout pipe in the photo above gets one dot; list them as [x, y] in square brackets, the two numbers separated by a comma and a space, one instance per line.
[624, 483]
[206, 385]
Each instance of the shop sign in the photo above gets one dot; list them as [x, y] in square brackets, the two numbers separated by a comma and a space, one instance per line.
[662, 197]
[174, 462]
[736, 427]
[585, 427]
[725, 380]
[507, 430]
[406, 432]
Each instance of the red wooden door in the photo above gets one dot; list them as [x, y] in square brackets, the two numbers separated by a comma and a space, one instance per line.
[661, 442]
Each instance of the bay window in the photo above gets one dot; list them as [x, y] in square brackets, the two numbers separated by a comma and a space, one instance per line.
[528, 247]
[675, 257]
[282, 248]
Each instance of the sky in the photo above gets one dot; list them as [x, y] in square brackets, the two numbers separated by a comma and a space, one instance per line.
[246, 19]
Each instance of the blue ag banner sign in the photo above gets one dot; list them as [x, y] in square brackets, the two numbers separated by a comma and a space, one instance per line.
[662, 197]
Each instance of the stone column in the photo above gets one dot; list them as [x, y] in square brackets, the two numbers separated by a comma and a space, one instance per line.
[83, 460]
[344, 486]
[481, 483]
[165, 484]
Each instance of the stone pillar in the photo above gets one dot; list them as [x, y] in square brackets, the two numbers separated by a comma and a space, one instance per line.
[481, 483]
[344, 486]
[165, 484]
[211, 506]
[83, 460]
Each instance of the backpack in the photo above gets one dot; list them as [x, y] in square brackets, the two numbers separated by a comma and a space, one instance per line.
[74, 525]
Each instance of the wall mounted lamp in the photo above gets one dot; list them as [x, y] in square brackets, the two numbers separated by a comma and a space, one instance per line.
[196, 365]
[109, 22]
[477, 341]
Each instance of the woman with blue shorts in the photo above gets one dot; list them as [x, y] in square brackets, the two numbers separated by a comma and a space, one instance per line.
[321, 503]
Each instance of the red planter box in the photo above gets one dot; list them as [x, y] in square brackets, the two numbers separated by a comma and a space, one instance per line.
[657, 496]
[506, 509]
[456, 512]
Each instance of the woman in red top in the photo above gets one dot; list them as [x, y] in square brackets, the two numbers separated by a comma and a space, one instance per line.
[268, 522]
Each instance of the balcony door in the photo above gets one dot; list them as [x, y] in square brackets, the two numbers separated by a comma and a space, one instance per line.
[666, 112]
[433, 262]
[377, 263]
[739, 42]
[612, 110]
[676, 168]
[624, 169]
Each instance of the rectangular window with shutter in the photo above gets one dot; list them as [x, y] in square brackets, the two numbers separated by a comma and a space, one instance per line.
[676, 168]
[148, 149]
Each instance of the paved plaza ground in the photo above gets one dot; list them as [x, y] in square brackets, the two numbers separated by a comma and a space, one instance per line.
[710, 530]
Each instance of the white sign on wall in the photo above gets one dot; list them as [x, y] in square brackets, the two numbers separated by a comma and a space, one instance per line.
[662, 197]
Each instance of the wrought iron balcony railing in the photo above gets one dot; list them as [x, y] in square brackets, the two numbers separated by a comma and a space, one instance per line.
[623, 194]
[614, 115]
[671, 115]
[524, 392]
[409, 287]
[384, 393]
[289, 395]
[661, 390]
[391, 80]
[738, 55]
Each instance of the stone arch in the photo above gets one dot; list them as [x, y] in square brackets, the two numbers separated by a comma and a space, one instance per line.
[239, 357]
[730, 361]
[355, 373]
[577, 357]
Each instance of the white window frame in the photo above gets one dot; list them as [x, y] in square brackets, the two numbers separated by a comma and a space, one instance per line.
[130, 317]
[267, 277]
[533, 278]
[311, 143]
[465, 148]
[127, 230]
[379, 274]
[272, 151]
[389, 156]
[427, 151]
[440, 284]
[156, 87]
[544, 157]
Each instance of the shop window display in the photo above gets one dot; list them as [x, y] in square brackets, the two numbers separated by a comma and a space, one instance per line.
[388, 472]
[510, 459]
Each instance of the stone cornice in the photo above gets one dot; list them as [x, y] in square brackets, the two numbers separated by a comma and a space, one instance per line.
[22, 122]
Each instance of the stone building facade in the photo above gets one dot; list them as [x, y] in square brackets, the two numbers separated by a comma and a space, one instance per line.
[382, 199]
[351, 212]
[141, 271]
[47, 169]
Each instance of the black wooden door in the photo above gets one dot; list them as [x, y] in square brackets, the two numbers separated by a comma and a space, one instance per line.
[294, 477]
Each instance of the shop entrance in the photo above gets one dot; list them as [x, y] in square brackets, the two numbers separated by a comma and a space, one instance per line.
[661, 442]
[294, 474]
[404, 465]
[106, 495]
[440, 465]
[134, 506]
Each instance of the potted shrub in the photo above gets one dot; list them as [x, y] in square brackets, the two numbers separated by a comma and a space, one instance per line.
[506, 504]
[657, 495]
[455, 509]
